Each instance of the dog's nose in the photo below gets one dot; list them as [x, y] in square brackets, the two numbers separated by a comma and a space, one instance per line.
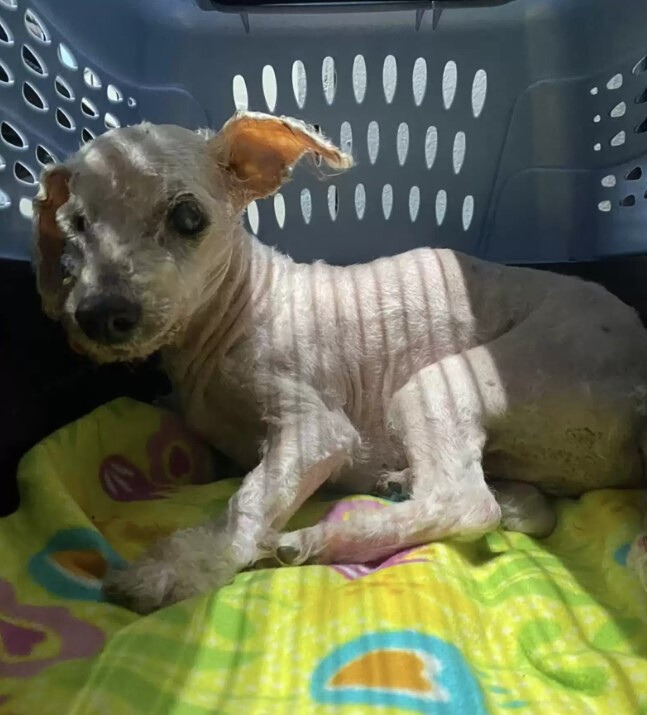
[108, 319]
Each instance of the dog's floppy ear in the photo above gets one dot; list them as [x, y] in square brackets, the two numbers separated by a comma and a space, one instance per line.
[258, 152]
[49, 240]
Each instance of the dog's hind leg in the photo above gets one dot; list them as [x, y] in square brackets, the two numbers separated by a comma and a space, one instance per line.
[439, 416]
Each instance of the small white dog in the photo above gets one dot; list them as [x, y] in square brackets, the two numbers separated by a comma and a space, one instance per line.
[421, 373]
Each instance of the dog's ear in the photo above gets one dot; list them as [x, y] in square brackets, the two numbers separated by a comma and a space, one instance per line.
[258, 152]
[49, 240]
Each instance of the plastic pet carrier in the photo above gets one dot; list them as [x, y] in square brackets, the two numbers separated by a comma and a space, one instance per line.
[515, 130]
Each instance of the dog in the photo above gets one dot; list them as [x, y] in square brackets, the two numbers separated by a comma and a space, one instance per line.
[472, 390]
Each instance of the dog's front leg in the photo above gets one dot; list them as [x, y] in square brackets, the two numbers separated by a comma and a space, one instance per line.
[301, 453]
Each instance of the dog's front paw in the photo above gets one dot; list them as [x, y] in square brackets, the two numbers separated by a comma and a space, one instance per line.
[184, 564]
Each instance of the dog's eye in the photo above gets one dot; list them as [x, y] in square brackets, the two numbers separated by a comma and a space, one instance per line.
[78, 223]
[187, 218]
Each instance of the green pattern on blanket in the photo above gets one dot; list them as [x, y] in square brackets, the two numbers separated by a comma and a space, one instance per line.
[505, 624]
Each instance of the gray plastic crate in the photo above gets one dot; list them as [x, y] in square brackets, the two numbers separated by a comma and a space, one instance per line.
[515, 131]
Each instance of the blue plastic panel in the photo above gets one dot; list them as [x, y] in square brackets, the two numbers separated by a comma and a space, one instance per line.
[514, 132]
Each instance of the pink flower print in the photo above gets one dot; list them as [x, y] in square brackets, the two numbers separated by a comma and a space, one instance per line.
[176, 455]
[27, 631]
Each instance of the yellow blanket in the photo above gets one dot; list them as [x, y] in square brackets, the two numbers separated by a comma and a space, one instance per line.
[507, 624]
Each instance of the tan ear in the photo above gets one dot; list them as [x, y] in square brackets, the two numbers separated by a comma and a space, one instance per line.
[50, 241]
[259, 151]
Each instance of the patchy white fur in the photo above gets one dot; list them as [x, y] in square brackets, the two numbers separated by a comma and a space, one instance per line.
[429, 370]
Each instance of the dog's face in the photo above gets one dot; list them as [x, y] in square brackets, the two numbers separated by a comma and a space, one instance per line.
[132, 229]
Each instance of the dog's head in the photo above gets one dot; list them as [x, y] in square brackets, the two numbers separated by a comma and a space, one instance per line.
[131, 228]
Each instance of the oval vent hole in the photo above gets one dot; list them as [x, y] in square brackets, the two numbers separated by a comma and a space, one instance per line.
[89, 108]
[635, 174]
[64, 120]
[33, 62]
[33, 97]
[12, 136]
[36, 28]
[63, 89]
[628, 200]
[44, 156]
[23, 173]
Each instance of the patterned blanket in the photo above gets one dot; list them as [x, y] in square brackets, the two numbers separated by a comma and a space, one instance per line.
[506, 624]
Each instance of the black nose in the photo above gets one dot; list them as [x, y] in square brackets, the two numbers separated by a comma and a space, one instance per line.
[109, 319]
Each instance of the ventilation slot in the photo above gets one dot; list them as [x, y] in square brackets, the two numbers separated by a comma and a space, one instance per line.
[642, 97]
[111, 121]
[306, 205]
[64, 120]
[12, 136]
[450, 80]
[608, 181]
[619, 139]
[618, 111]
[114, 94]
[360, 201]
[387, 201]
[36, 28]
[346, 138]
[458, 152]
[615, 82]
[253, 217]
[441, 206]
[329, 79]
[6, 76]
[419, 80]
[414, 203]
[642, 127]
[635, 174]
[604, 206]
[26, 208]
[239, 91]
[299, 83]
[33, 62]
[402, 143]
[467, 213]
[5, 201]
[359, 78]
[44, 156]
[479, 92]
[373, 141]
[389, 78]
[23, 173]
[66, 58]
[63, 89]
[6, 38]
[33, 97]
[270, 87]
[279, 210]
[628, 200]
[641, 66]
[431, 146]
[89, 108]
[333, 202]
[86, 135]
[91, 79]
